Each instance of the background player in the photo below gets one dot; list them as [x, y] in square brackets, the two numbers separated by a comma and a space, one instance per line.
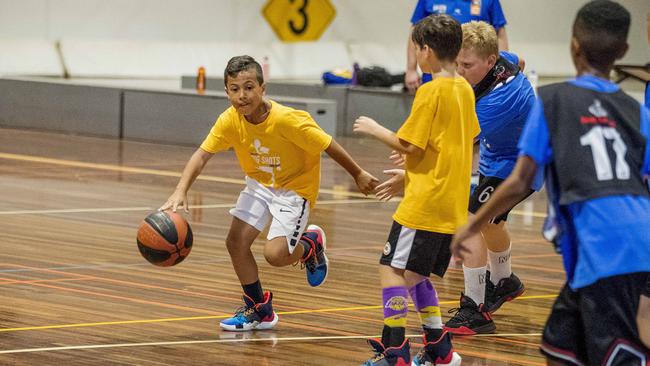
[464, 11]
[593, 142]
[437, 140]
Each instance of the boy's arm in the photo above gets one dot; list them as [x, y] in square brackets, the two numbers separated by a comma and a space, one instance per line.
[192, 170]
[370, 127]
[365, 181]
[507, 195]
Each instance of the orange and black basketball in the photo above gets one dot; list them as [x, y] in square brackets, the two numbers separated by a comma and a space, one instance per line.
[164, 238]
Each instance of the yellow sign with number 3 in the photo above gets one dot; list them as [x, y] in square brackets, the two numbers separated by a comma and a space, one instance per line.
[299, 20]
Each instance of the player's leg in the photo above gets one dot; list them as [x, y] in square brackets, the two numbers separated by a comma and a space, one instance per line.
[290, 240]
[502, 284]
[471, 318]
[643, 316]
[393, 348]
[257, 312]
[250, 216]
[609, 309]
[563, 336]
[430, 254]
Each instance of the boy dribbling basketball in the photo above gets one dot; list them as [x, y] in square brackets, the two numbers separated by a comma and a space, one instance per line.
[279, 150]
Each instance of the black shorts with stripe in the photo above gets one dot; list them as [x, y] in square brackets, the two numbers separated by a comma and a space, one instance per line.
[596, 325]
[482, 193]
[419, 251]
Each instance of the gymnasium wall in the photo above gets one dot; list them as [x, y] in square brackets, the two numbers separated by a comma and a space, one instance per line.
[168, 38]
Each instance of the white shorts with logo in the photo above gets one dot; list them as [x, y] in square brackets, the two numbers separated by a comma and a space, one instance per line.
[288, 212]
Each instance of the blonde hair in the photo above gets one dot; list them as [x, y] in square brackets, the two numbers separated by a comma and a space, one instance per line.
[481, 38]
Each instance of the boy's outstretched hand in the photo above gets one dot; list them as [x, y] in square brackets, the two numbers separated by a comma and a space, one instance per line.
[366, 126]
[366, 182]
[178, 198]
[397, 158]
[392, 187]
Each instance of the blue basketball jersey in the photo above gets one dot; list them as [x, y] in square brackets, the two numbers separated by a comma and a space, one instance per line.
[502, 113]
[462, 10]
[600, 237]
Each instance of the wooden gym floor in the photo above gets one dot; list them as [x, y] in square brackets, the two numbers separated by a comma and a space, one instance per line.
[75, 290]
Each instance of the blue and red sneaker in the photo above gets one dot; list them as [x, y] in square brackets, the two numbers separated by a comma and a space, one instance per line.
[316, 262]
[252, 316]
[391, 356]
[438, 353]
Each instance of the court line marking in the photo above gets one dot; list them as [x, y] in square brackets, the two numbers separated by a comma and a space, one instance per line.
[212, 178]
[128, 169]
[295, 312]
[270, 339]
[144, 208]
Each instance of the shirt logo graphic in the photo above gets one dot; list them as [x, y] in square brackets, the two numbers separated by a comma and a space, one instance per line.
[597, 109]
[439, 9]
[265, 161]
[599, 116]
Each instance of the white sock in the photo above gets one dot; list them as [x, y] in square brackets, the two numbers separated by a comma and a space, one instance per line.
[475, 283]
[500, 265]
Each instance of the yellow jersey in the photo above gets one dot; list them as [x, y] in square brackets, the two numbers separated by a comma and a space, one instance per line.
[442, 124]
[282, 152]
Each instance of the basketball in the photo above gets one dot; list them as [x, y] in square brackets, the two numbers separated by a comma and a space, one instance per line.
[164, 238]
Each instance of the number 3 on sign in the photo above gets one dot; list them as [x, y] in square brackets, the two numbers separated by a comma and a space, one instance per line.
[299, 20]
[298, 28]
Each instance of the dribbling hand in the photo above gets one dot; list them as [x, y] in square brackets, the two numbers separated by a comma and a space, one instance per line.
[174, 201]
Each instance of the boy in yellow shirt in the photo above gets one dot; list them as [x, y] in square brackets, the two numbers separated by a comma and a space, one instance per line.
[279, 150]
[437, 140]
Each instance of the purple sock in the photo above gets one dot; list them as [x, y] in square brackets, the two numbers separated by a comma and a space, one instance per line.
[395, 304]
[425, 298]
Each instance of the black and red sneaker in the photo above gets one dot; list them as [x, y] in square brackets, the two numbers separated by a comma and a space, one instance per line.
[507, 289]
[469, 319]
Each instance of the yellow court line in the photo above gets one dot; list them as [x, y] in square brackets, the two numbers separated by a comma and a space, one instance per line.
[161, 320]
[271, 338]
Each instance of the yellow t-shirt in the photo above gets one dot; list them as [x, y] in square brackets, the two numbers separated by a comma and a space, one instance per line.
[443, 124]
[281, 152]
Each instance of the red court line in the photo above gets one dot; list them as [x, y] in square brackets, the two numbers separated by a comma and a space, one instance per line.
[541, 268]
[29, 282]
[130, 299]
[193, 293]
[197, 294]
[535, 256]
[507, 340]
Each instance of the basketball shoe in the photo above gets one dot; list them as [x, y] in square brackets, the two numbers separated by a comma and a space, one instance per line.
[469, 319]
[316, 262]
[252, 316]
[438, 353]
[391, 356]
[507, 289]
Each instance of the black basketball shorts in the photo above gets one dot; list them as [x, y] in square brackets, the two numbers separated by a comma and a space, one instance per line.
[419, 251]
[596, 325]
[482, 193]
